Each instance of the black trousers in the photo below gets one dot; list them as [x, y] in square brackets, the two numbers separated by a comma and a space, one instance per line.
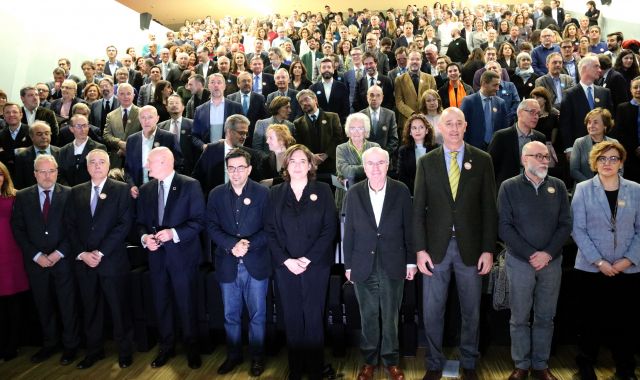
[12, 308]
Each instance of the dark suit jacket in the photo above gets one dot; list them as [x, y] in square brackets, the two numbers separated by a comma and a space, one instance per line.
[618, 86]
[386, 134]
[201, 126]
[270, 70]
[189, 152]
[66, 136]
[107, 69]
[473, 213]
[474, 115]
[391, 239]
[133, 165]
[331, 135]
[9, 145]
[106, 230]
[226, 229]
[56, 105]
[268, 84]
[34, 234]
[626, 131]
[72, 170]
[257, 111]
[505, 153]
[48, 116]
[362, 86]
[174, 77]
[183, 211]
[320, 219]
[443, 91]
[212, 68]
[231, 83]
[338, 101]
[25, 158]
[96, 118]
[575, 107]
[209, 169]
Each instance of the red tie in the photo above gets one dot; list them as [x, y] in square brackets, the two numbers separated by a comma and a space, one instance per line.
[46, 205]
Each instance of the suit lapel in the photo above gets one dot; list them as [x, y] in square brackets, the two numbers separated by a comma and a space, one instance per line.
[363, 194]
[101, 199]
[174, 190]
[601, 197]
[388, 202]
[467, 161]
[441, 168]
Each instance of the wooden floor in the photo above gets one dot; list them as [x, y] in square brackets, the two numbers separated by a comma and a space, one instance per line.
[496, 364]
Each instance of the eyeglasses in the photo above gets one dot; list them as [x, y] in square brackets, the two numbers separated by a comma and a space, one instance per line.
[356, 129]
[540, 157]
[45, 172]
[379, 163]
[566, 47]
[81, 126]
[532, 112]
[43, 90]
[239, 169]
[608, 160]
[67, 88]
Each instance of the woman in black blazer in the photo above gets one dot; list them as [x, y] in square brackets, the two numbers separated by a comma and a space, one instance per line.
[298, 74]
[301, 226]
[418, 138]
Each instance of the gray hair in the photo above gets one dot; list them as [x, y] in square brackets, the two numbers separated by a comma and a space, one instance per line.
[233, 120]
[357, 116]
[525, 103]
[375, 149]
[44, 157]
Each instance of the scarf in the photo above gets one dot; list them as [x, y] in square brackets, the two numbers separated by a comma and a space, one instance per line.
[455, 97]
[524, 74]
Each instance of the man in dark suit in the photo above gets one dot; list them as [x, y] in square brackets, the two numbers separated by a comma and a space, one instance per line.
[170, 213]
[89, 71]
[140, 144]
[261, 82]
[275, 59]
[39, 228]
[66, 136]
[457, 235]
[55, 86]
[206, 66]
[320, 131]
[199, 94]
[181, 127]
[235, 214]
[384, 129]
[98, 218]
[372, 78]
[581, 99]
[31, 110]
[612, 80]
[68, 95]
[486, 113]
[282, 79]
[258, 51]
[253, 103]
[626, 131]
[112, 64]
[557, 13]
[72, 157]
[378, 257]
[40, 134]
[210, 169]
[13, 136]
[506, 146]
[337, 100]
[207, 129]
[175, 74]
[224, 65]
[101, 108]
[407, 35]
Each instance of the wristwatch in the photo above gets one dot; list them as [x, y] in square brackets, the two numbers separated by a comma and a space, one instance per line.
[599, 263]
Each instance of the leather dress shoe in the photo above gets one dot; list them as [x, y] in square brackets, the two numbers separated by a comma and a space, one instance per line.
[469, 374]
[162, 358]
[68, 356]
[432, 375]
[125, 361]
[519, 374]
[193, 359]
[43, 354]
[366, 372]
[228, 365]
[90, 360]
[257, 367]
[395, 373]
[543, 374]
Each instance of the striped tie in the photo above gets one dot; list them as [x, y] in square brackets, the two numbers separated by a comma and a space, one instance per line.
[454, 174]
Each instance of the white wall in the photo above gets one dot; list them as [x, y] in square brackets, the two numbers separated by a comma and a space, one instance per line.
[38, 32]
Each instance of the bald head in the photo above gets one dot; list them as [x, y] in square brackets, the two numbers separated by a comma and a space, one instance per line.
[160, 163]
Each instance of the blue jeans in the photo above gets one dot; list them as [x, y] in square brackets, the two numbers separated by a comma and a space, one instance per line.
[531, 345]
[253, 293]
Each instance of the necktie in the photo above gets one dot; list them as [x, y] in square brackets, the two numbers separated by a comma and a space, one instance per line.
[46, 205]
[590, 97]
[454, 174]
[488, 126]
[358, 74]
[256, 84]
[175, 129]
[371, 82]
[313, 118]
[160, 202]
[245, 104]
[94, 199]
[107, 107]
[125, 118]
[374, 120]
[416, 81]
[42, 151]
[556, 81]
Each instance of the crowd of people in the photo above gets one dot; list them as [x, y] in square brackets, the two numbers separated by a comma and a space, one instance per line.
[431, 133]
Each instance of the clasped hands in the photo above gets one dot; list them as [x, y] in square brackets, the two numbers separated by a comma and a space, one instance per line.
[617, 267]
[425, 264]
[297, 266]
[155, 241]
[241, 248]
[92, 258]
[46, 261]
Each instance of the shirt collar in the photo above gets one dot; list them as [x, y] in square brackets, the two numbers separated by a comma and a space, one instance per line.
[167, 180]
[100, 185]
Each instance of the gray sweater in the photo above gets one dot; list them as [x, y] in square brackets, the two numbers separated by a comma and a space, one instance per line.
[533, 219]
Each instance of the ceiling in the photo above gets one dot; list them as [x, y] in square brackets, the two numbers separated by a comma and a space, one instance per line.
[172, 13]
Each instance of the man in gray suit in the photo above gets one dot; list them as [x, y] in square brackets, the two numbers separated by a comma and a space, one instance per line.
[378, 258]
[120, 124]
[384, 129]
[281, 77]
[455, 231]
[146, 91]
[554, 81]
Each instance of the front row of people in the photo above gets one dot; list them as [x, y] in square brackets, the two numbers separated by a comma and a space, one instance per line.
[451, 228]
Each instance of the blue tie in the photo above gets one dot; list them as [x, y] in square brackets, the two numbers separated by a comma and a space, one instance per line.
[488, 126]
[556, 81]
[245, 104]
[590, 98]
[256, 84]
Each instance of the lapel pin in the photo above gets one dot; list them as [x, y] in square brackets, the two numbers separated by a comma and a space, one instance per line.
[156, 144]
[597, 100]
[183, 132]
[319, 92]
[24, 139]
[621, 203]
[313, 197]
[384, 127]
[467, 165]
[247, 201]
[495, 109]
[551, 190]
[324, 122]
[174, 188]
[103, 196]
[530, 84]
